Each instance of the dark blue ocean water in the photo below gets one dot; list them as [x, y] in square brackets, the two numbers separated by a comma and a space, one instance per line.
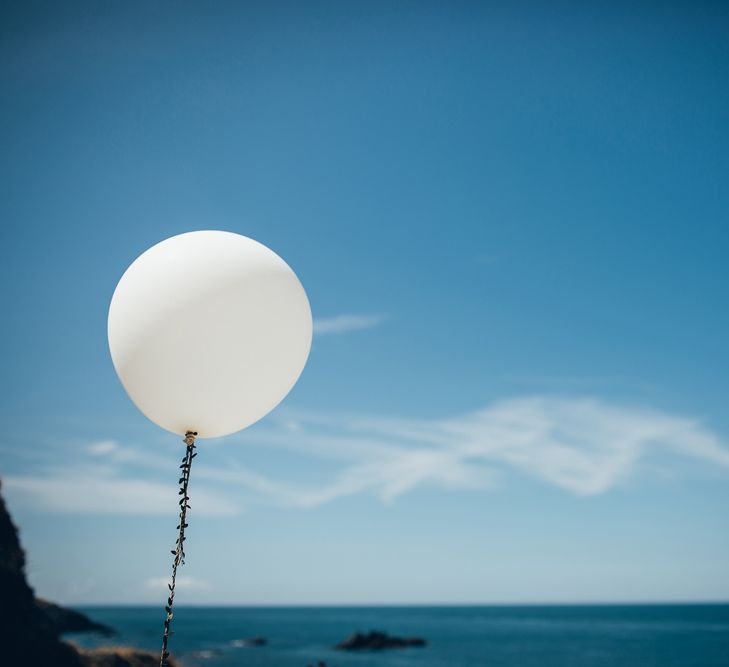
[498, 636]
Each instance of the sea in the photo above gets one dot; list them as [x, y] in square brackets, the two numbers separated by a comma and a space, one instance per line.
[695, 635]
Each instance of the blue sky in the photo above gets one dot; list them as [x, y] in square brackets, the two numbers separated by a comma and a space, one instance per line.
[511, 222]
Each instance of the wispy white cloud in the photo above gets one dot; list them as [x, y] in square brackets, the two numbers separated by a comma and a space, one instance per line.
[88, 491]
[103, 447]
[584, 446]
[344, 323]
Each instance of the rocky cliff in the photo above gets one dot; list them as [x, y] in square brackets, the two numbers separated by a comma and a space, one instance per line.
[29, 633]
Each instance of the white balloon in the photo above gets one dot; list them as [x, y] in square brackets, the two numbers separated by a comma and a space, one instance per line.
[208, 332]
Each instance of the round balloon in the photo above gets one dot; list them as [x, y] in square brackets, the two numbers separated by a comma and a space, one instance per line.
[208, 332]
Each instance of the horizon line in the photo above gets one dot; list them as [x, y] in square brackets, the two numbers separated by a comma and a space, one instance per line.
[400, 605]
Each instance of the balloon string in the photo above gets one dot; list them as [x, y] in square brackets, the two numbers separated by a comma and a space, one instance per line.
[179, 551]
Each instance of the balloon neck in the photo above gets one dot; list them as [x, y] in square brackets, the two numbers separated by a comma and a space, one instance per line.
[190, 438]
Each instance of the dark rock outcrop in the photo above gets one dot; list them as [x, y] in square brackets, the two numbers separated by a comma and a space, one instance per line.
[29, 636]
[250, 641]
[68, 620]
[376, 641]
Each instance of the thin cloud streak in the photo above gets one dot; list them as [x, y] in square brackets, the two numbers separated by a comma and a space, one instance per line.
[103, 447]
[346, 323]
[584, 446]
[67, 491]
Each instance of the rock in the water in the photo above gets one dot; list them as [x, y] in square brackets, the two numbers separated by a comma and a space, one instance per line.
[68, 620]
[250, 641]
[375, 641]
